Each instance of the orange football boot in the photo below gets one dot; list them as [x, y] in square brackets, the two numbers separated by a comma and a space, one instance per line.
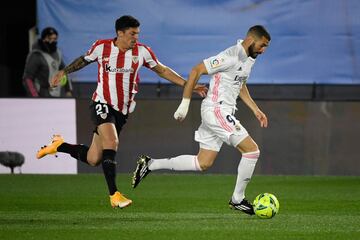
[118, 200]
[51, 148]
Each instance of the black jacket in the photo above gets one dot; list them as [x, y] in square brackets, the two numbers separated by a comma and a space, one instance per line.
[36, 67]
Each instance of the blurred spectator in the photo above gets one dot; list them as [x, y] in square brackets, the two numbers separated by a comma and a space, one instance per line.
[42, 63]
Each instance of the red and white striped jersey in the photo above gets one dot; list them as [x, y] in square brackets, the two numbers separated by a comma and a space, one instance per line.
[118, 71]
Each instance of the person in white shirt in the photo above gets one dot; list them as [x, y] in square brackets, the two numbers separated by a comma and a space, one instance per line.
[229, 72]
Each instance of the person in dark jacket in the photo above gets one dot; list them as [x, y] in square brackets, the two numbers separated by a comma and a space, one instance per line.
[42, 63]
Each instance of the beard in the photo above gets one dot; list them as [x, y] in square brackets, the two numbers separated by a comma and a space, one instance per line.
[252, 52]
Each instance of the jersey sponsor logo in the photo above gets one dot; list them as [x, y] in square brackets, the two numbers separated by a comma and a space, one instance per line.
[216, 62]
[238, 80]
[105, 59]
[108, 68]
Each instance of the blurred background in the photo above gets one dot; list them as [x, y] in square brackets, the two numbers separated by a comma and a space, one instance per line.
[307, 82]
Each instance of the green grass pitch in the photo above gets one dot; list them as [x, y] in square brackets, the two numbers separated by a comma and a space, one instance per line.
[176, 206]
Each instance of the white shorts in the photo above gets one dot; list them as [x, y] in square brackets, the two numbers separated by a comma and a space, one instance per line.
[217, 125]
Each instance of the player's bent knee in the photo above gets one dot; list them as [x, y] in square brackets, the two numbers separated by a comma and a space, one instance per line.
[244, 145]
[110, 143]
[205, 165]
[253, 150]
[94, 162]
[206, 158]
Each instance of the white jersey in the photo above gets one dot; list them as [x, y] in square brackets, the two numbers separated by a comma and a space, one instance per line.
[230, 69]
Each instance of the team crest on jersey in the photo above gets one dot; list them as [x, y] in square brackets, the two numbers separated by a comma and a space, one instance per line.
[103, 115]
[216, 62]
[135, 59]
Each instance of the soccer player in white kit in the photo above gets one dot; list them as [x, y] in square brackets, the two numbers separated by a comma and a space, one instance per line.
[229, 72]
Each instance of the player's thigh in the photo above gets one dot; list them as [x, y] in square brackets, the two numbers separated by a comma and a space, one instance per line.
[108, 136]
[105, 119]
[206, 158]
[247, 145]
[209, 144]
[207, 139]
[104, 131]
[94, 155]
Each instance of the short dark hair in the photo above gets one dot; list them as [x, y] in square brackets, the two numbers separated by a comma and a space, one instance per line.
[48, 32]
[126, 22]
[259, 31]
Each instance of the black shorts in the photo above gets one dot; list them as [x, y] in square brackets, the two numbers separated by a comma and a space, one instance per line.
[104, 113]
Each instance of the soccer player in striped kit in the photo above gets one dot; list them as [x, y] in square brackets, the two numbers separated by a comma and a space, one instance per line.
[229, 72]
[119, 61]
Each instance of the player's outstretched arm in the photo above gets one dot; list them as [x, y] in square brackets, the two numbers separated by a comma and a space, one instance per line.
[194, 76]
[76, 65]
[247, 99]
[190, 85]
[172, 76]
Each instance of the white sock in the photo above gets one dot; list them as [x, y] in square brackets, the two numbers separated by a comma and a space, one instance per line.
[245, 172]
[179, 163]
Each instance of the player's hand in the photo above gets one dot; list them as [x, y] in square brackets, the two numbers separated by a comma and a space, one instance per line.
[56, 78]
[182, 110]
[201, 90]
[261, 117]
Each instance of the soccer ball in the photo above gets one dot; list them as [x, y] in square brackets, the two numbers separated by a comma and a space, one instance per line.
[266, 205]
